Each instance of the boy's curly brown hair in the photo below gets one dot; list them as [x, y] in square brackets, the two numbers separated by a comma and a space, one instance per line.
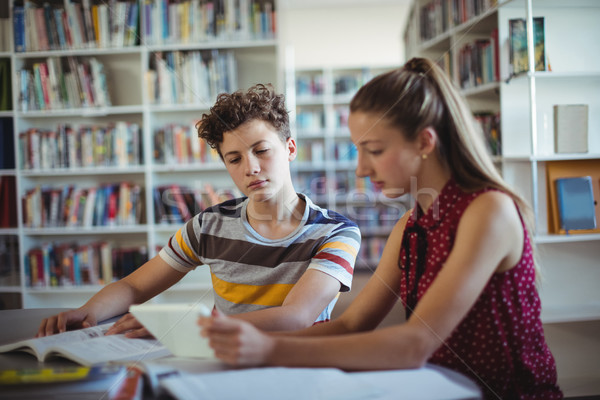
[260, 102]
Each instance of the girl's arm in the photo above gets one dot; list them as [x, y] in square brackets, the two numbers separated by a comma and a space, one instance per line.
[489, 239]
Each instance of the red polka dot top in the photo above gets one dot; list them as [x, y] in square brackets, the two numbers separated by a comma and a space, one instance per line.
[500, 344]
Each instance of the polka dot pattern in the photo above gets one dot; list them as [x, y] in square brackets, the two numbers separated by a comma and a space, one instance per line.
[500, 344]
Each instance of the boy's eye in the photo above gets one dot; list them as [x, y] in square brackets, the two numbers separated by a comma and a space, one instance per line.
[375, 152]
[234, 160]
[261, 151]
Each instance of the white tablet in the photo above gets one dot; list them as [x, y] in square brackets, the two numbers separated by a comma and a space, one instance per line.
[176, 326]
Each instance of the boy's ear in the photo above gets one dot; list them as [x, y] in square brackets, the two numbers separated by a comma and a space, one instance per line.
[428, 139]
[292, 149]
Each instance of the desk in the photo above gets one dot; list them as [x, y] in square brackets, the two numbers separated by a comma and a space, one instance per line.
[267, 383]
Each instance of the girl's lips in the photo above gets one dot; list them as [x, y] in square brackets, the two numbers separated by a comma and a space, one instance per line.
[377, 185]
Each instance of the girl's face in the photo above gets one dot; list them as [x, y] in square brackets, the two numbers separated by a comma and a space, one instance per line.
[384, 155]
[257, 159]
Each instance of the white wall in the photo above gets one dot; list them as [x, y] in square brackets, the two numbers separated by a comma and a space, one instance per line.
[344, 36]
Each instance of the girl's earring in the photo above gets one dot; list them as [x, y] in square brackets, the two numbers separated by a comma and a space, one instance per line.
[424, 156]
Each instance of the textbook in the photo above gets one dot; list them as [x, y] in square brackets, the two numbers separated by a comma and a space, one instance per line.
[89, 346]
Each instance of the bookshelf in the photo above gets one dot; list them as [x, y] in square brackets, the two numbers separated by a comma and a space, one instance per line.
[525, 105]
[114, 130]
[326, 162]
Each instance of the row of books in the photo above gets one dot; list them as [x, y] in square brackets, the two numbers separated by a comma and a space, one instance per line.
[65, 82]
[71, 264]
[180, 144]
[9, 260]
[7, 148]
[73, 206]
[71, 25]
[310, 118]
[175, 204]
[490, 127]
[192, 21]
[8, 201]
[195, 77]
[308, 85]
[479, 62]
[116, 144]
[375, 217]
[438, 16]
[314, 151]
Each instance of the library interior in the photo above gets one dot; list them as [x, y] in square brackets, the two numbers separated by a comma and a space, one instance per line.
[100, 163]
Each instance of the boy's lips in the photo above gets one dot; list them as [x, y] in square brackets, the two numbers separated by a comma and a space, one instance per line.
[377, 184]
[257, 184]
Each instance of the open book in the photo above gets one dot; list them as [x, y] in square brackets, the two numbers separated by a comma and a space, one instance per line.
[90, 346]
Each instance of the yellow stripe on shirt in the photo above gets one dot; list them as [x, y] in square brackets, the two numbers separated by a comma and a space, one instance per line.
[340, 246]
[188, 252]
[263, 295]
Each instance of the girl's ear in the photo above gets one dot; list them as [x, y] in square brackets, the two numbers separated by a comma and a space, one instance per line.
[428, 139]
[290, 145]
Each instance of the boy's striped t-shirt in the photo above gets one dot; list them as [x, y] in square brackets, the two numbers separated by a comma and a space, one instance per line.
[250, 272]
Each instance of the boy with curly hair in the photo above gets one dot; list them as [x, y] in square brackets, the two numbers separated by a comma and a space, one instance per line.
[276, 259]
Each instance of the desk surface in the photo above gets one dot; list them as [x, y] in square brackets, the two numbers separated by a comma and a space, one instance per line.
[23, 324]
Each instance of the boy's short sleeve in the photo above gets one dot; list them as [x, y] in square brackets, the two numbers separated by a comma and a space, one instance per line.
[337, 255]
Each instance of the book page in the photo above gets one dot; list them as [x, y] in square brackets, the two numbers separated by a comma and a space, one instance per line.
[40, 346]
[111, 348]
[90, 346]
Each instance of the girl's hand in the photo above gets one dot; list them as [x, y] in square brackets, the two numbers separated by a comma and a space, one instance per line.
[235, 342]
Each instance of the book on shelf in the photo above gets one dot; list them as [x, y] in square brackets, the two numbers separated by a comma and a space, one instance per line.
[517, 41]
[89, 346]
[571, 128]
[576, 205]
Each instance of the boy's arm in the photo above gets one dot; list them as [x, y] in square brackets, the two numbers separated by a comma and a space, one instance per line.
[147, 281]
[303, 304]
[330, 271]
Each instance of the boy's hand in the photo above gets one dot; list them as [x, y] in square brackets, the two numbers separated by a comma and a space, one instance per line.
[129, 325]
[236, 342]
[72, 319]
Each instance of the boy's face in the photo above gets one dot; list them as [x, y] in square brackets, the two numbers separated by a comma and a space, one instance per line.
[257, 160]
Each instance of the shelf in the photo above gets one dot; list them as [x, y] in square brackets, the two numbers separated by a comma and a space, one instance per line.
[95, 230]
[9, 231]
[169, 108]
[6, 114]
[549, 239]
[10, 289]
[85, 289]
[552, 157]
[84, 171]
[86, 112]
[80, 52]
[213, 44]
[189, 168]
[484, 89]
